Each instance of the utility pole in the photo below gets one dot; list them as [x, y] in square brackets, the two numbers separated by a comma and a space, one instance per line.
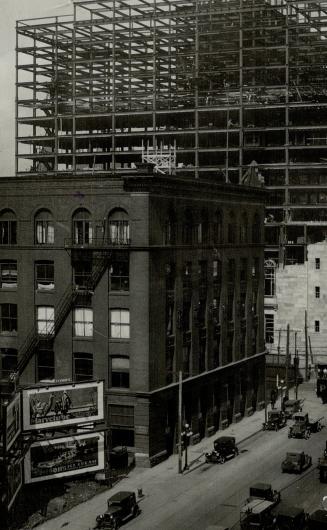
[265, 390]
[296, 365]
[287, 356]
[180, 398]
[278, 348]
[306, 344]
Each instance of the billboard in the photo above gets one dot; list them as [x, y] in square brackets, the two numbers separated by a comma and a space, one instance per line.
[14, 480]
[12, 421]
[62, 457]
[62, 405]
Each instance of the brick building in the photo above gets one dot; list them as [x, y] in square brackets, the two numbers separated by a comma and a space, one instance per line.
[130, 280]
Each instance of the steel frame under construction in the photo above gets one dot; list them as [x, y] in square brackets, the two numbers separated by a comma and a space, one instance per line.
[210, 85]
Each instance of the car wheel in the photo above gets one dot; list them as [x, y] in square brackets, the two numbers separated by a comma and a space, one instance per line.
[136, 511]
[222, 459]
[236, 452]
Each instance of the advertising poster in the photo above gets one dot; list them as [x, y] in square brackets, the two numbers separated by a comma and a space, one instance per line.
[60, 405]
[13, 421]
[14, 481]
[72, 455]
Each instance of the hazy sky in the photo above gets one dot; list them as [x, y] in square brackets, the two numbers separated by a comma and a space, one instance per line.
[12, 10]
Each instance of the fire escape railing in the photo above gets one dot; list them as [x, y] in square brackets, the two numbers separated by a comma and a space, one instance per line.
[61, 311]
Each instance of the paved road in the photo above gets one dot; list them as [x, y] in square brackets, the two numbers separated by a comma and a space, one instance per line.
[211, 493]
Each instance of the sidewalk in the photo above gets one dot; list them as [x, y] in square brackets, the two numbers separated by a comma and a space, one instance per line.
[160, 477]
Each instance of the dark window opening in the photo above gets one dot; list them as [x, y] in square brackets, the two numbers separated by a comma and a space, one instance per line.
[269, 328]
[121, 420]
[44, 275]
[45, 365]
[8, 362]
[82, 366]
[317, 326]
[119, 276]
[317, 263]
[82, 274]
[8, 318]
[8, 232]
[317, 292]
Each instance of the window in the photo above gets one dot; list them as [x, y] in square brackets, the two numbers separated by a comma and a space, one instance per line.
[188, 228]
[269, 328]
[44, 228]
[203, 229]
[231, 229]
[45, 365]
[218, 228]
[83, 366]
[203, 272]
[120, 372]
[45, 320]
[171, 229]
[256, 229]
[83, 322]
[244, 270]
[119, 324]
[317, 292]
[121, 419]
[119, 228]
[317, 263]
[8, 362]
[82, 274]
[170, 276]
[256, 268]
[8, 318]
[8, 274]
[244, 228]
[8, 228]
[44, 275]
[317, 326]
[270, 278]
[82, 227]
[119, 276]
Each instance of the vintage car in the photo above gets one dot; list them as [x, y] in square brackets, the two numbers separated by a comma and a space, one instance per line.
[296, 462]
[291, 406]
[257, 514]
[262, 490]
[289, 517]
[303, 427]
[276, 420]
[121, 507]
[224, 449]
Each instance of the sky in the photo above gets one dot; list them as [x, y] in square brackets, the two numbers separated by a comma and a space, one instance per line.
[12, 10]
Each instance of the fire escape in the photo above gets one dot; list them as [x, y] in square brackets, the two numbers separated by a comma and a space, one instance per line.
[35, 340]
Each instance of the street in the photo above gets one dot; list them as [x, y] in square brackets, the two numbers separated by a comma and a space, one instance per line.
[212, 493]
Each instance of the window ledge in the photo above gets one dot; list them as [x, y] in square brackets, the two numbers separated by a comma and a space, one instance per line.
[111, 339]
[77, 337]
[119, 293]
[8, 289]
[8, 334]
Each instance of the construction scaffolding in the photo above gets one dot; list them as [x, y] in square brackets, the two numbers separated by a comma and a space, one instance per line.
[225, 82]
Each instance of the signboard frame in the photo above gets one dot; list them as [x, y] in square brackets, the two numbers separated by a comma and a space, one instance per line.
[74, 453]
[12, 421]
[62, 405]
[14, 479]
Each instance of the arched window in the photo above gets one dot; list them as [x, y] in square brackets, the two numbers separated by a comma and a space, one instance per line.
[82, 227]
[244, 228]
[203, 228]
[8, 228]
[44, 228]
[171, 228]
[231, 228]
[119, 227]
[188, 228]
[218, 228]
[270, 277]
[256, 228]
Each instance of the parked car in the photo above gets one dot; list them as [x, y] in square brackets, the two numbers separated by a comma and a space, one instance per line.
[289, 517]
[257, 515]
[291, 406]
[224, 448]
[276, 420]
[121, 507]
[296, 462]
[262, 490]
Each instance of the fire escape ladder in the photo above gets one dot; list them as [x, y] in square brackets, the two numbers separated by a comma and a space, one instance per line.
[61, 312]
